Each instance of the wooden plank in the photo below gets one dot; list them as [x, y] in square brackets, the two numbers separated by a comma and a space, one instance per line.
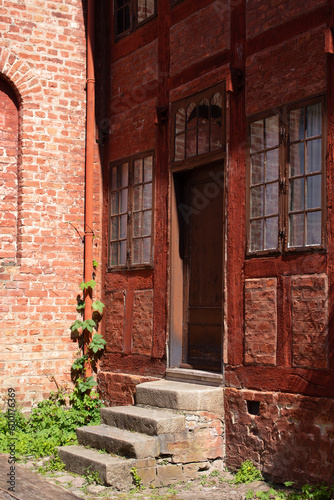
[28, 485]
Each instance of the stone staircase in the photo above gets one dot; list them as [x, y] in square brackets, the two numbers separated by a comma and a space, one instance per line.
[174, 431]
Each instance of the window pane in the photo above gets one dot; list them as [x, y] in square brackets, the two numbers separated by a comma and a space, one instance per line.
[272, 165]
[114, 254]
[216, 140]
[127, 17]
[296, 230]
[191, 142]
[257, 201]
[138, 172]
[147, 201]
[256, 235]
[271, 232]
[272, 131]
[313, 120]
[137, 224]
[313, 225]
[296, 195]
[124, 200]
[271, 199]
[124, 175]
[122, 253]
[179, 147]
[114, 178]
[123, 226]
[191, 115]
[114, 228]
[148, 168]
[297, 124]
[314, 191]
[114, 202]
[257, 169]
[137, 198]
[297, 159]
[147, 223]
[314, 156]
[146, 250]
[180, 120]
[257, 136]
[137, 251]
[203, 139]
[216, 105]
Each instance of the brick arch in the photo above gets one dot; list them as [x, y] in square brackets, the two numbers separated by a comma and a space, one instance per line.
[20, 76]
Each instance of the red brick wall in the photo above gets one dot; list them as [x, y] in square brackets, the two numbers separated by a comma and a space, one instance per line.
[43, 56]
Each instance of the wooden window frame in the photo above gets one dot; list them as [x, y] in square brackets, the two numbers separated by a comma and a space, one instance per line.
[283, 114]
[130, 160]
[134, 24]
[184, 103]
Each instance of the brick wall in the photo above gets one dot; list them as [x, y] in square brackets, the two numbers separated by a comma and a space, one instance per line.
[42, 55]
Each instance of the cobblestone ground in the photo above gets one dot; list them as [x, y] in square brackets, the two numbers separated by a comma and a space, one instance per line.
[206, 487]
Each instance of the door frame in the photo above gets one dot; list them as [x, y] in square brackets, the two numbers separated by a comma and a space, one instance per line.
[176, 289]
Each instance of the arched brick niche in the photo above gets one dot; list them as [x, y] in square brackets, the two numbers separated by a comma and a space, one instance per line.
[9, 142]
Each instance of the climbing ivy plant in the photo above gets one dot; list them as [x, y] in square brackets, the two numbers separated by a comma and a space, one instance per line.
[91, 350]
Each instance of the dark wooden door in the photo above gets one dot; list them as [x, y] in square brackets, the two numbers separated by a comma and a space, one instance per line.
[203, 268]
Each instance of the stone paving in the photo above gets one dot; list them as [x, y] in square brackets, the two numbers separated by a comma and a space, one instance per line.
[206, 487]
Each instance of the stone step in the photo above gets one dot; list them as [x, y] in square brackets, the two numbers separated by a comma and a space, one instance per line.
[181, 396]
[113, 471]
[119, 441]
[150, 421]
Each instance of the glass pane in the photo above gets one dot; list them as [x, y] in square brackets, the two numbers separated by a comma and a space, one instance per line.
[313, 189]
[257, 136]
[272, 131]
[137, 251]
[313, 225]
[257, 169]
[271, 199]
[296, 230]
[120, 3]
[138, 172]
[147, 196]
[272, 165]
[203, 111]
[114, 228]
[191, 115]
[149, 8]
[114, 183]
[297, 159]
[124, 175]
[216, 105]
[180, 120]
[216, 141]
[313, 120]
[137, 198]
[114, 254]
[191, 142]
[296, 195]
[123, 227]
[146, 251]
[256, 235]
[127, 17]
[203, 139]
[122, 253]
[179, 147]
[147, 223]
[313, 149]
[257, 201]
[137, 224]
[119, 23]
[141, 10]
[114, 202]
[297, 124]
[124, 200]
[271, 233]
[148, 168]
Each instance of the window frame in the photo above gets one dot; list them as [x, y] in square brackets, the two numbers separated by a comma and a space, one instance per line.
[134, 24]
[130, 160]
[184, 103]
[283, 113]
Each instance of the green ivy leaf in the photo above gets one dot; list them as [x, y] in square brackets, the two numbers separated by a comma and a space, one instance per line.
[88, 324]
[88, 284]
[95, 263]
[79, 364]
[86, 385]
[98, 306]
[80, 306]
[98, 343]
[76, 325]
